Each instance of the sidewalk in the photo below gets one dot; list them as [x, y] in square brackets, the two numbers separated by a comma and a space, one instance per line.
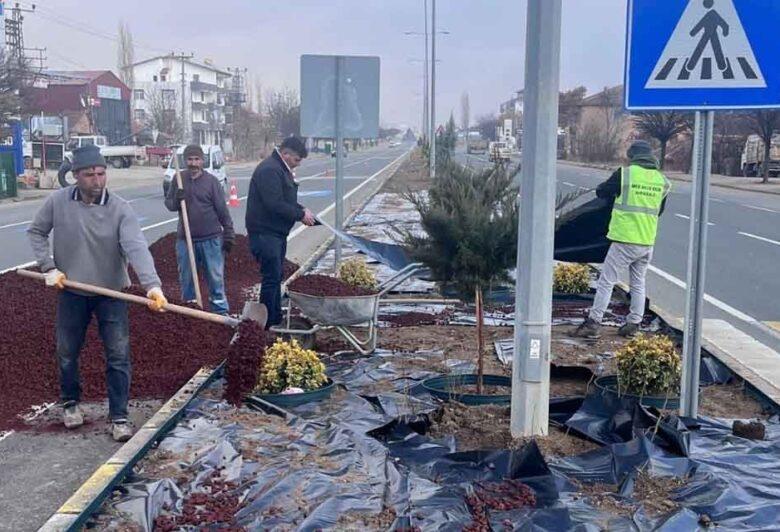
[750, 184]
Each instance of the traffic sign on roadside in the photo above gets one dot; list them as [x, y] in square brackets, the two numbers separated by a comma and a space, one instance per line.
[702, 54]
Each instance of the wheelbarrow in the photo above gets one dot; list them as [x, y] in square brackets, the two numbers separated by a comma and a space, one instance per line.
[340, 312]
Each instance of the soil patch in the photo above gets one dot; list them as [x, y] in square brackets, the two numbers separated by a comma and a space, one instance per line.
[411, 176]
[654, 493]
[324, 285]
[359, 522]
[487, 427]
[730, 401]
[486, 389]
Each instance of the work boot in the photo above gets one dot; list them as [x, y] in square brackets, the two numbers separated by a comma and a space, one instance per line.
[629, 330]
[121, 430]
[588, 329]
[72, 416]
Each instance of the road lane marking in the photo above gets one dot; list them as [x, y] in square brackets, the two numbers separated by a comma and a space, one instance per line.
[688, 218]
[756, 208]
[7, 226]
[569, 184]
[725, 307]
[751, 235]
[716, 200]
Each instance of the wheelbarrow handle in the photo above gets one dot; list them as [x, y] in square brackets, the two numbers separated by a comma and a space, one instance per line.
[170, 307]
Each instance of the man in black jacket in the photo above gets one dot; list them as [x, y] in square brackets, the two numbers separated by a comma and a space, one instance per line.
[272, 209]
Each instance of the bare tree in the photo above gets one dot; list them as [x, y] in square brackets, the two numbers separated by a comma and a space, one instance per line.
[764, 123]
[125, 54]
[282, 110]
[487, 126]
[465, 112]
[569, 111]
[662, 126]
[162, 117]
[14, 78]
[599, 139]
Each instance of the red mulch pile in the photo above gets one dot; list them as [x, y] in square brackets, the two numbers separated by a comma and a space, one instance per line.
[413, 319]
[324, 285]
[243, 361]
[167, 349]
[216, 505]
[242, 271]
[501, 496]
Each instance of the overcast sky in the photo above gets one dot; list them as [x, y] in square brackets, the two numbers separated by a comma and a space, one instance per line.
[483, 54]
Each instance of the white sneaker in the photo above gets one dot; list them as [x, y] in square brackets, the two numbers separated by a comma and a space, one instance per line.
[72, 416]
[121, 431]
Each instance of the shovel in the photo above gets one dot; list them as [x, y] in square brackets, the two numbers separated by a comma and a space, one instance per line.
[252, 309]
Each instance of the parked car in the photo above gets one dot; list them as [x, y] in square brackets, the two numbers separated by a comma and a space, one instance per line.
[213, 163]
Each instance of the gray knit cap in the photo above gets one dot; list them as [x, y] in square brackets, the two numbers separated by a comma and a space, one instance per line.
[639, 148]
[87, 157]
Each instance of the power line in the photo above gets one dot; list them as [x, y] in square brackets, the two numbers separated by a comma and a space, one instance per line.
[57, 18]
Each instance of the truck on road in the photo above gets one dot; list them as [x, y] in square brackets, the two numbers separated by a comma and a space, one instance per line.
[116, 156]
[499, 152]
[753, 156]
[475, 143]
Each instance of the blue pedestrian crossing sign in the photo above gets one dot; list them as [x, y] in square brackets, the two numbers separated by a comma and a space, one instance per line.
[702, 54]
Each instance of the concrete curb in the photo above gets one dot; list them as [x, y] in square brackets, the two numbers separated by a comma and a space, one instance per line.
[77, 509]
[671, 176]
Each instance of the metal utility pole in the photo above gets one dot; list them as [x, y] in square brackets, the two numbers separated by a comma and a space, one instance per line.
[426, 92]
[432, 143]
[533, 288]
[697, 258]
[339, 188]
[183, 57]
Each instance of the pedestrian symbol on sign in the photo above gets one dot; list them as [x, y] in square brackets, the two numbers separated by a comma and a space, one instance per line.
[708, 49]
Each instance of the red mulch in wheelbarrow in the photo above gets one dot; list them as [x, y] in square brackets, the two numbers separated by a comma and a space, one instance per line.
[242, 271]
[324, 285]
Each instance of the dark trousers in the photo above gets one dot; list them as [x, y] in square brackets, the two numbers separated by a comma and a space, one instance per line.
[74, 312]
[270, 250]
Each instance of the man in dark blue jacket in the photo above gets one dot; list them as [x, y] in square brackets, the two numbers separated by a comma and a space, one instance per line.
[272, 209]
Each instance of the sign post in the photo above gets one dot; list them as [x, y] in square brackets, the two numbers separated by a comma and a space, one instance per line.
[339, 99]
[700, 55]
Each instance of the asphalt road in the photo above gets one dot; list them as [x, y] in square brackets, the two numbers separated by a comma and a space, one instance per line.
[742, 284]
[316, 192]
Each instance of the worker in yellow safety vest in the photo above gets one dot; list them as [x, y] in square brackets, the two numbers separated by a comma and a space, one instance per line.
[639, 191]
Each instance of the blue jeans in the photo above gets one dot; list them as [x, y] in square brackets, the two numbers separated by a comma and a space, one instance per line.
[74, 312]
[270, 250]
[209, 260]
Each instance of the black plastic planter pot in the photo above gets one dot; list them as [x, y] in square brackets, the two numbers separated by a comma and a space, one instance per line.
[609, 385]
[443, 387]
[287, 400]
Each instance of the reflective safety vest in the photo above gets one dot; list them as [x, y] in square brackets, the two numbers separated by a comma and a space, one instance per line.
[635, 213]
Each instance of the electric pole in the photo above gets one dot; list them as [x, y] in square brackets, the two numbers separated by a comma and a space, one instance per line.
[432, 143]
[533, 288]
[183, 58]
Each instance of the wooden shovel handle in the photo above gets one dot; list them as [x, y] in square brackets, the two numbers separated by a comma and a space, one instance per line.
[99, 290]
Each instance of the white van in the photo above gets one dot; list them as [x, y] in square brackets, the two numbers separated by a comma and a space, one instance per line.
[213, 163]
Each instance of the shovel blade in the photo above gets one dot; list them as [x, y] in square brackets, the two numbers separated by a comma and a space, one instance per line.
[256, 312]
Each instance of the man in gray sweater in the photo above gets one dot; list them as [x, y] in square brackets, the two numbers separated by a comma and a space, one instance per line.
[95, 233]
[211, 228]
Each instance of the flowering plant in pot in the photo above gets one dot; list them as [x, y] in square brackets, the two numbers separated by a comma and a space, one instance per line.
[288, 368]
